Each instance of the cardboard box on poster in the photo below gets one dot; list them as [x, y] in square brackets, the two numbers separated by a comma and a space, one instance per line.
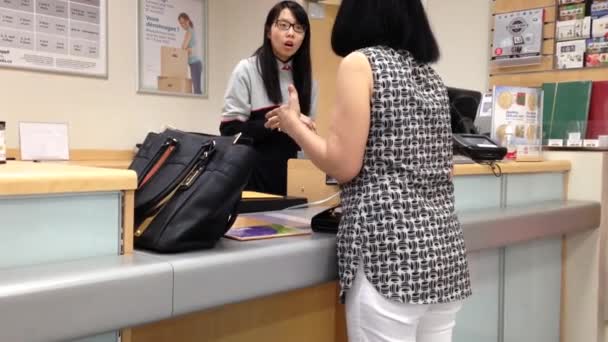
[173, 62]
[175, 84]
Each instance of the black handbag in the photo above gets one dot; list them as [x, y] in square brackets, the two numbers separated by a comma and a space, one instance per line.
[327, 221]
[189, 186]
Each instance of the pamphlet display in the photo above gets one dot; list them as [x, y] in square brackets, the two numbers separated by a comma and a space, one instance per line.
[517, 122]
[518, 38]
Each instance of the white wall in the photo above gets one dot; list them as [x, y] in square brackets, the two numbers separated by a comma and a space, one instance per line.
[107, 113]
[463, 30]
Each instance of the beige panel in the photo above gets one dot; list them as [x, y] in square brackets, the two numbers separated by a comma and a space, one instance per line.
[325, 67]
[26, 178]
[127, 221]
[110, 164]
[536, 79]
[125, 335]
[305, 179]
[549, 46]
[299, 316]
[502, 6]
[114, 159]
[549, 31]
[514, 167]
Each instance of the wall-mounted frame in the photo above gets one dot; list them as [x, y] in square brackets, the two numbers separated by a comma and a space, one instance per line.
[172, 51]
[68, 36]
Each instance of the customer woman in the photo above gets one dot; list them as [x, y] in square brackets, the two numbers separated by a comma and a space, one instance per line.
[402, 261]
[189, 43]
[259, 84]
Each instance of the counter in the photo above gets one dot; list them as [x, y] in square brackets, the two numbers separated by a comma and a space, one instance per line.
[54, 212]
[95, 295]
[515, 226]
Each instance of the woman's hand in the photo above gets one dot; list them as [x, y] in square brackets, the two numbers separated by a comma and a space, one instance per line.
[286, 117]
[310, 123]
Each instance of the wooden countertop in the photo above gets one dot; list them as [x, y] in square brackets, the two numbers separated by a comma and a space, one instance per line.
[473, 169]
[305, 179]
[28, 178]
[514, 167]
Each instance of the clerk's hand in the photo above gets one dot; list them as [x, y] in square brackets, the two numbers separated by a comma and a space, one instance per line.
[286, 117]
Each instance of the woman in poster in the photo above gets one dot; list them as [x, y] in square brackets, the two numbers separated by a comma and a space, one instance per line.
[189, 43]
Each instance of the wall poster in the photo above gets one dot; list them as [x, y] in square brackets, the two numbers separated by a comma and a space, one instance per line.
[172, 47]
[67, 36]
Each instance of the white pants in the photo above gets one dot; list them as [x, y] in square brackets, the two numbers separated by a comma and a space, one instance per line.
[372, 318]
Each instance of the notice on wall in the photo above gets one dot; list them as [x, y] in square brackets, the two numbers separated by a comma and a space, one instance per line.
[172, 44]
[518, 38]
[67, 36]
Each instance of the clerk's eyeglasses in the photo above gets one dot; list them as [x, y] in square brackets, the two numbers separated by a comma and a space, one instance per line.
[285, 25]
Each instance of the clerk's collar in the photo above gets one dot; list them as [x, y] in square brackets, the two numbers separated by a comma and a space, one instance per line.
[284, 66]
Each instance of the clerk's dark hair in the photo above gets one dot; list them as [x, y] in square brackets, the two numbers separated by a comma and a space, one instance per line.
[399, 24]
[301, 64]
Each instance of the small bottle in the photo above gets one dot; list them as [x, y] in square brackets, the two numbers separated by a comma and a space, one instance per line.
[2, 143]
[509, 143]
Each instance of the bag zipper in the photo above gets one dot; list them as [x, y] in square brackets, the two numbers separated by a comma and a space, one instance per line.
[193, 174]
[175, 182]
[159, 159]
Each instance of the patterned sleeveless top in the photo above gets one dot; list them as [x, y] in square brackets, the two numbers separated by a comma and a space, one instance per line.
[398, 213]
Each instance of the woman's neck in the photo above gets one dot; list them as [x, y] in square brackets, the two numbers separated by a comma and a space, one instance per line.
[283, 61]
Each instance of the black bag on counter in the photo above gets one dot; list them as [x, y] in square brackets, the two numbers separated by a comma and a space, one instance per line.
[189, 186]
[327, 221]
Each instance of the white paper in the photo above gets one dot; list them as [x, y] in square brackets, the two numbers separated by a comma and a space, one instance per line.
[485, 109]
[556, 142]
[591, 143]
[43, 141]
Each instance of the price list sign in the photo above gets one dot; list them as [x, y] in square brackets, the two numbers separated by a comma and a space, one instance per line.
[54, 35]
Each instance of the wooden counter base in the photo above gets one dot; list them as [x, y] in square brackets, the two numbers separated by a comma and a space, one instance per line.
[311, 314]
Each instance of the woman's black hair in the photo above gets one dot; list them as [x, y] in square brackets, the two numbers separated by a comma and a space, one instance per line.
[185, 16]
[301, 65]
[399, 24]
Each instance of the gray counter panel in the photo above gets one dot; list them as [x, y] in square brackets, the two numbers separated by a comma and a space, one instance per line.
[75, 299]
[231, 271]
[237, 271]
[494, 228]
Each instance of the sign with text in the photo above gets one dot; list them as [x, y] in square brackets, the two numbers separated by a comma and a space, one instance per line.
[54, 35]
